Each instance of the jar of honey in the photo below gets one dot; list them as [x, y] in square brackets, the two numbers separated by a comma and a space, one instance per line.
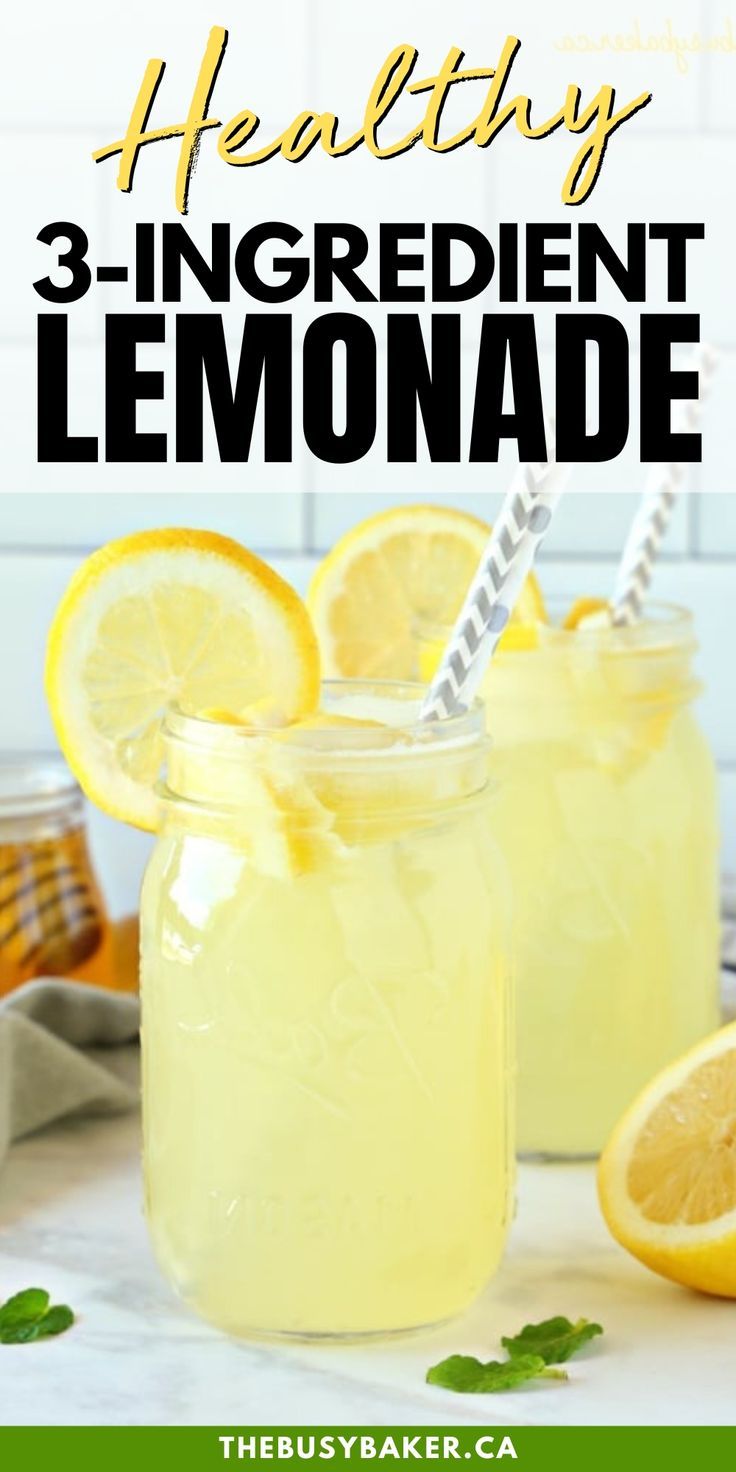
[53, 920]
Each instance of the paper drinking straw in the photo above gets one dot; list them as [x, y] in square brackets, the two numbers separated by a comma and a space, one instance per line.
[654, 513]
[520, 528]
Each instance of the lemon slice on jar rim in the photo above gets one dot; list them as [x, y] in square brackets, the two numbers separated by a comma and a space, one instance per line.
[393, 573]
[168, 617]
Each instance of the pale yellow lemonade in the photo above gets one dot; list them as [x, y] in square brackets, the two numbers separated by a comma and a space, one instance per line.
[326, 1026]
[606, 812]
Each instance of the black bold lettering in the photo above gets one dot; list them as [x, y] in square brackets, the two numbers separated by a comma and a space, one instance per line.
[630, 277]
[571, 397]
[412, 384]
[660, 385]
[125, 384]
[213, 276]
[513, 338]
[265, 360]
[343, 268]
[360, 387]
[296, 270]
[54, 443]
[444, 289]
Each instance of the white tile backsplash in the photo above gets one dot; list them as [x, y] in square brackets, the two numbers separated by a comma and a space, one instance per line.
[720, 93]
[81, 520]
[30, 589]
[120, 855]
[586, 522]
[717, 521]
[718, 470]
[599, 523]
[87, 69]
[727, 784]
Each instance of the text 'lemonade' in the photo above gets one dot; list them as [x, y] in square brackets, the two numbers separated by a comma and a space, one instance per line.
[606, 813]
[326, 1019]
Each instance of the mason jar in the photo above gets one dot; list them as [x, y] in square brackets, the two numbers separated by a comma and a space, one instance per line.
[53, 920]
[606, 812]
[326, 1031]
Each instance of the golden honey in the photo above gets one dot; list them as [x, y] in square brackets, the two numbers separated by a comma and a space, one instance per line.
[53, 920]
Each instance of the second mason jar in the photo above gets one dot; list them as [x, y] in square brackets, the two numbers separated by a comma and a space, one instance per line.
[326, 1033]
[607, 815]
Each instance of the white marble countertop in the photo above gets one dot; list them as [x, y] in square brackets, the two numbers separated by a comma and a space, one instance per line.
[71, 1221]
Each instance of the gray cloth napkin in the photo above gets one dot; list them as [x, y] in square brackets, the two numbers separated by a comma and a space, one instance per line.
[65, 1048]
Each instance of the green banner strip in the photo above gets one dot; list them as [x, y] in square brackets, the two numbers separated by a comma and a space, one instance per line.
[573, 1448]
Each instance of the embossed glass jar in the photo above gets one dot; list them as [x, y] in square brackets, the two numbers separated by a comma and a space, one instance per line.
[326, 1030]
[606, 814]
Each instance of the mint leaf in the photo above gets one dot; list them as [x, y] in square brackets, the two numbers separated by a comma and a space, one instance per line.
[467, 1375]
[27, 1316]
[23, 1307]
[556, 1340]
[58, 1318]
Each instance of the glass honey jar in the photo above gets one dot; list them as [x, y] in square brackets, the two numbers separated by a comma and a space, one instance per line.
[53, 920]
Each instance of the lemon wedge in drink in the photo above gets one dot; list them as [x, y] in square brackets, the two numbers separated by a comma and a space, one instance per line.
[394, 576]
[588, 613]
[160, 618]
[667, 1178]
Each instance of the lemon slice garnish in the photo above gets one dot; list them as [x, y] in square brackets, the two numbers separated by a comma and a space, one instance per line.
[588, 613]
[391, 576]
[160, 618]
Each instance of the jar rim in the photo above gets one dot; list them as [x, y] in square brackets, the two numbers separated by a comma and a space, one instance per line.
[663, 625]
[340, 742]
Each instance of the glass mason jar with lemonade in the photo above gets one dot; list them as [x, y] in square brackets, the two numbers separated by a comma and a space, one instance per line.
[326, 1032]
[606, 812]
[325, 926]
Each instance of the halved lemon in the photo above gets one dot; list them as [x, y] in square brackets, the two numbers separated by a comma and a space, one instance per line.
[397, 573]
[667, 1178]
[160, 617]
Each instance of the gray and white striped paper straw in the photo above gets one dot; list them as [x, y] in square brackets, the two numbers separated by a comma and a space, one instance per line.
[654, 514]
[521, 526]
